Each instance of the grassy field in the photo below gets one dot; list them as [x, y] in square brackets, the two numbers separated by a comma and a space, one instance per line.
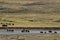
[32, 20]
[30, 13]
[31, 37]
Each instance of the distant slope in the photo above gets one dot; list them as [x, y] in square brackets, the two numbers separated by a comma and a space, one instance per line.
[33, 6]
[28, 1]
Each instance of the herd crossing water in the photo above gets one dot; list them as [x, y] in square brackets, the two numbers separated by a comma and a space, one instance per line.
[29, 31]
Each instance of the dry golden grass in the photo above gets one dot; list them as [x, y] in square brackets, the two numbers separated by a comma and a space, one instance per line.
[39, 20]
[30, 13]
[31, 37]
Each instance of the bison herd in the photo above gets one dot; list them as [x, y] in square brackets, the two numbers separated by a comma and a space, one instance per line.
[6, 24]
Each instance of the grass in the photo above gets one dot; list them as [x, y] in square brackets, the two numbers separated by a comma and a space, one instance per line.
[30, 13]
[38, 20]
[31, 37]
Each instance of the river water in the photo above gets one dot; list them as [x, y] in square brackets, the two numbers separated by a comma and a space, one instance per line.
[31, 31]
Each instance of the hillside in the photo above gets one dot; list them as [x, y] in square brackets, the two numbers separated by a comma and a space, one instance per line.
[30, 13]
